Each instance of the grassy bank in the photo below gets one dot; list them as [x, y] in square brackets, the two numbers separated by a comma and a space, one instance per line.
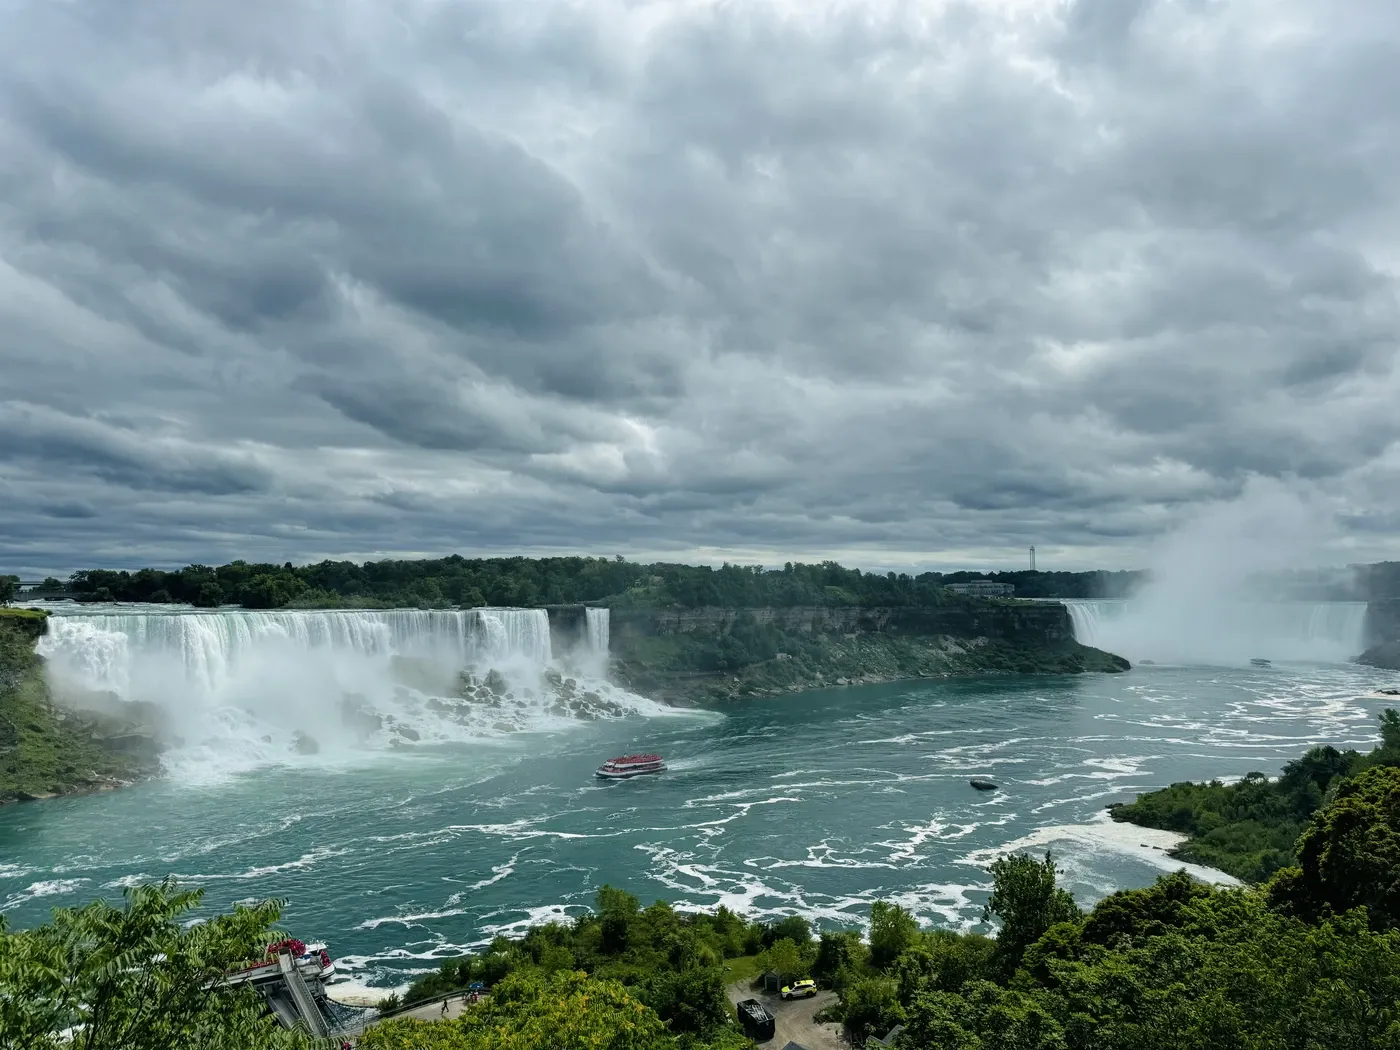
[45, 750]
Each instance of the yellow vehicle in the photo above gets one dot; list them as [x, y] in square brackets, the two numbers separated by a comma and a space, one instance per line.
[800, 989]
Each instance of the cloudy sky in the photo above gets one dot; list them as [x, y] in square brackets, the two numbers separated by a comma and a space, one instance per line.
[901, 282]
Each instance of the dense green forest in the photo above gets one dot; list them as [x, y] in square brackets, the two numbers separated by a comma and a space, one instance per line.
[458, 581]
[1249, 828]
[1308, 961]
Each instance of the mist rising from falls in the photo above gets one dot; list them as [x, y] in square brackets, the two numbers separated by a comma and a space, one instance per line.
[239, 688]
[1221, 632]
[1209, 601]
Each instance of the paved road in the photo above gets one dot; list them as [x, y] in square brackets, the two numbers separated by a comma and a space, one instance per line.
[433, 1011]
[793, 1020]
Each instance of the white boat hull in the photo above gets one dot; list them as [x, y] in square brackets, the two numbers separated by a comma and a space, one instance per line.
[627, 774]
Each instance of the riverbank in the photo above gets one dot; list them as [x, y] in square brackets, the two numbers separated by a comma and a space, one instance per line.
[47, 751]
[1250, 828]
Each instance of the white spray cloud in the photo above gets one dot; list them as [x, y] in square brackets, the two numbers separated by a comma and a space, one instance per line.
[1205, 602]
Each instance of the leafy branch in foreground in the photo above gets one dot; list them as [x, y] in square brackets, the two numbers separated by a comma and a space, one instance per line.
[102, 977]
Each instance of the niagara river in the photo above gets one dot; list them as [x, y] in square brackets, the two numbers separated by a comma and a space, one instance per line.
[439, 824]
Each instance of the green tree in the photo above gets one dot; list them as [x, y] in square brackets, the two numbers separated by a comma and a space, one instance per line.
[795, 928]
[838, 952]
[9, 587]
[784, 959]
[1349, 856]
[892, 929]
[870, 1006]
[1028, 902]
[563, 1011]
[617, 910]
[136, 978]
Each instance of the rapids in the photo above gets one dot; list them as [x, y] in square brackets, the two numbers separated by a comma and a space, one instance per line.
[401, 853]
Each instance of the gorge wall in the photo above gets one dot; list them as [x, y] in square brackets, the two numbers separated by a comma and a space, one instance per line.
[1034, 623]
[718, 654]
[1382, 634]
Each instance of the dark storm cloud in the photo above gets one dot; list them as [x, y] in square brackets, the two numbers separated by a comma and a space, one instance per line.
[895, 282]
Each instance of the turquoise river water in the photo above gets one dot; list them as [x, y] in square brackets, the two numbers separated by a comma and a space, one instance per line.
[816, 804]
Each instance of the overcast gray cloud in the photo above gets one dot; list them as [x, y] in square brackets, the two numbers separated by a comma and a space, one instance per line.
[895, 281]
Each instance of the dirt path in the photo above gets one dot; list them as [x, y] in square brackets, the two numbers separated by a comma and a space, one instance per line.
[793, 1020]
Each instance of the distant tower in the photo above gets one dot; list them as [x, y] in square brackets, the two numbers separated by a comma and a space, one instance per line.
[1032, 559]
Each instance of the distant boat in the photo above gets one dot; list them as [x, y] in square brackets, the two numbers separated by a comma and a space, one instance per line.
[630, 766]
[1259, 662]
[982, 784]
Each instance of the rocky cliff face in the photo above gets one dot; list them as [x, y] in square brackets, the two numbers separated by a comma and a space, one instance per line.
[719, 654]
[1382, 623]
[1034, 622]
[47, 750]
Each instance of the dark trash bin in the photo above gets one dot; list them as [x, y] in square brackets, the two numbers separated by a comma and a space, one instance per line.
[756, 1019]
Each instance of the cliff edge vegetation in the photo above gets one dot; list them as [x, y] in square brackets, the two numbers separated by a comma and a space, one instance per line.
[1249, 829]
[44, 749]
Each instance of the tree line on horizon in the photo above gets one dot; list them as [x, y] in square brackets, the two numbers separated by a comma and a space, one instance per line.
[522, 581]
[519, 581]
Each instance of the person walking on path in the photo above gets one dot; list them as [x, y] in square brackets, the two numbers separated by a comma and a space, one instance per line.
[444, 1008]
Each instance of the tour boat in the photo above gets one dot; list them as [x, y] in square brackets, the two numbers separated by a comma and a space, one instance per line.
[630, 766]
[1259, 662]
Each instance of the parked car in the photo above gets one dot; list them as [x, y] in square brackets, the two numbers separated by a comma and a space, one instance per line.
[800, 989]
[756, 1019]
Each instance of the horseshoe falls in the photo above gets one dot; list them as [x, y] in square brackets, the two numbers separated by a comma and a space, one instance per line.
[1220, 632]
[234, 690]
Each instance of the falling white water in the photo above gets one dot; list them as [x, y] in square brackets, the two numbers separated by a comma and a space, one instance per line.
[242, 688]
[1221, 632]
[599, 626]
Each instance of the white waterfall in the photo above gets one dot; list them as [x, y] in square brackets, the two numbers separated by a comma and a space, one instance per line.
[599, 627]
[98, 648]
[1215, 631]
[243, 688]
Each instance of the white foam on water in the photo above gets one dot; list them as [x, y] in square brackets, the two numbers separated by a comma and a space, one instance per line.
[129, 881]
[536, 916]
[1103, 834]
[410, 919]
[47, 888]
[307, 860]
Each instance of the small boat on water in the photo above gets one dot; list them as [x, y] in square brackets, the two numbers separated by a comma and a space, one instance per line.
[630, 766]
[1259, 662]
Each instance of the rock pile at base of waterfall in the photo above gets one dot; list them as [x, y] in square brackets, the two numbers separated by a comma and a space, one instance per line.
[556, 695]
